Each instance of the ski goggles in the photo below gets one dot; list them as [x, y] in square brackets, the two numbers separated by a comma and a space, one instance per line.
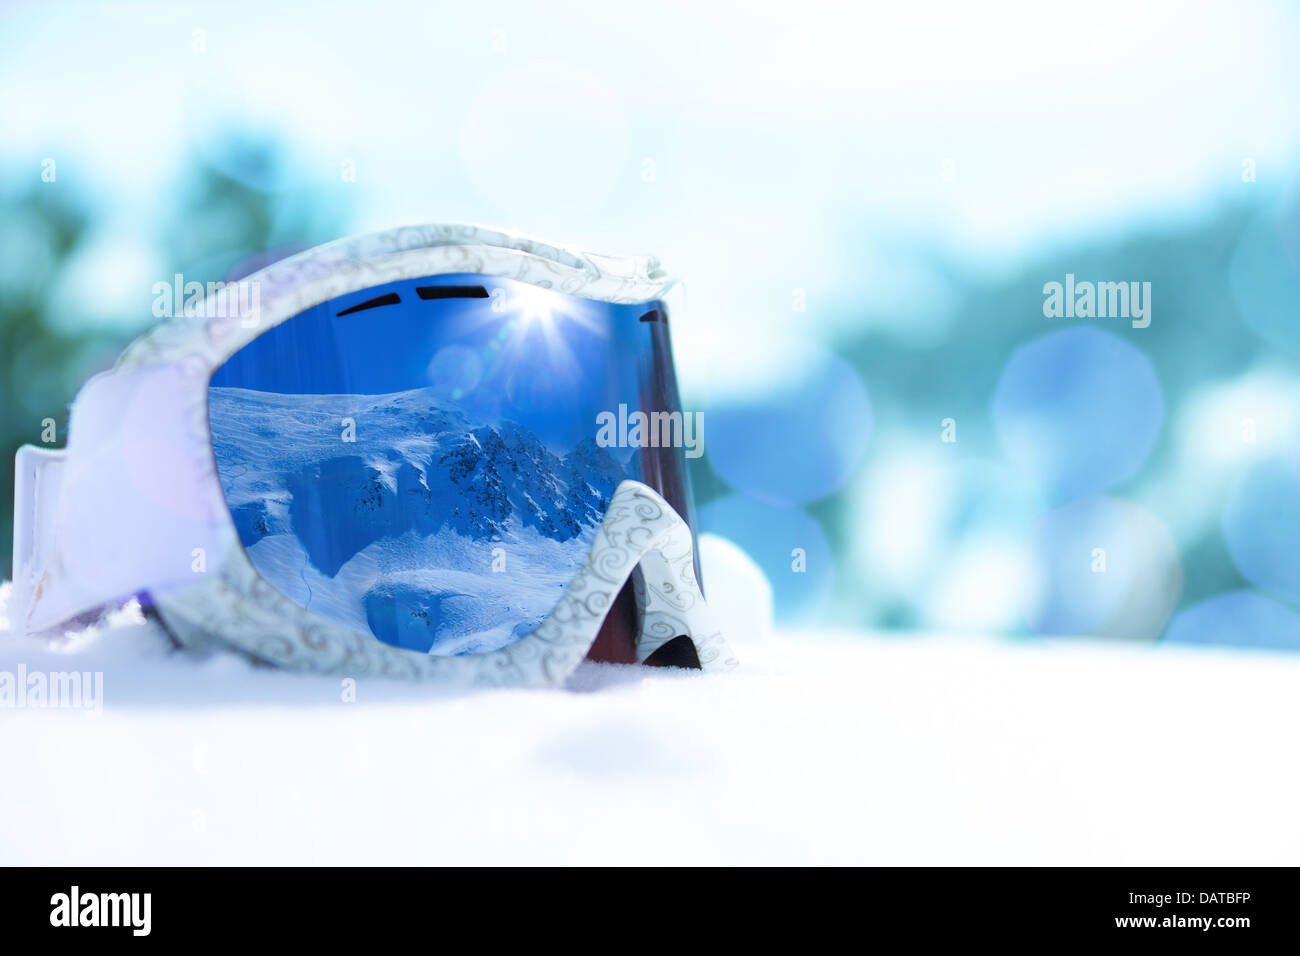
[438, 451]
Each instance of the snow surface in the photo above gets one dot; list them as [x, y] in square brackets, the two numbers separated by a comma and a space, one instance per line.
[822, 748]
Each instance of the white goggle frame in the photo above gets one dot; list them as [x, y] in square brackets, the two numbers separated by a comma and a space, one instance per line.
[134, 503]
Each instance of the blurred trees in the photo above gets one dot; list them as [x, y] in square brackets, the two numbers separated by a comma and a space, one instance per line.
[234, 209]
[1198, 339]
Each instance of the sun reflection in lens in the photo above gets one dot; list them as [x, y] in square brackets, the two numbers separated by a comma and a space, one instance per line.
[539, 327]
[532, 305]
[534, 333]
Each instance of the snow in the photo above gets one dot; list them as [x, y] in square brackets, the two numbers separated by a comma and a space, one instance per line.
[821, 748]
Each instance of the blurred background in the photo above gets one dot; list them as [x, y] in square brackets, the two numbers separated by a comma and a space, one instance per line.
[865, 206]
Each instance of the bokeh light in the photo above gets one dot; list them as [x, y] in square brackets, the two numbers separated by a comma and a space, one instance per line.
[982, 585]
[737, 591]
[946, 535]
[455, 371]
[1078, 409]
[1111, 570]
[774, 537]
[1261, 525]
[1243, 618]
[797, 441]
[1225, 424]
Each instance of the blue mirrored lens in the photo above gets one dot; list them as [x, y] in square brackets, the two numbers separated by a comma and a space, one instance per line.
[427, 461]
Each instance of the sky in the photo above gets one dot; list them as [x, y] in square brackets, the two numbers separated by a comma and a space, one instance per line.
[841, 150]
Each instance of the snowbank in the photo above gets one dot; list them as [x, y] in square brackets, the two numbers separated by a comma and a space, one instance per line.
[822, 748]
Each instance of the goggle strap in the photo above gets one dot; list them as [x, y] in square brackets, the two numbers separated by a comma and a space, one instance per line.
[643, 538]
[671, 604]
[38, 483]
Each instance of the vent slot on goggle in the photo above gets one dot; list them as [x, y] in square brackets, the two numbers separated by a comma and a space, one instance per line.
[392, 298]
[427, 292]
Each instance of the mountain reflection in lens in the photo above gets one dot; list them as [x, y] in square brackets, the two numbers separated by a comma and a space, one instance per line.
[427, 471]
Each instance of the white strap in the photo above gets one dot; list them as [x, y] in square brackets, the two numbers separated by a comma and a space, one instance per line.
[38, 480]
